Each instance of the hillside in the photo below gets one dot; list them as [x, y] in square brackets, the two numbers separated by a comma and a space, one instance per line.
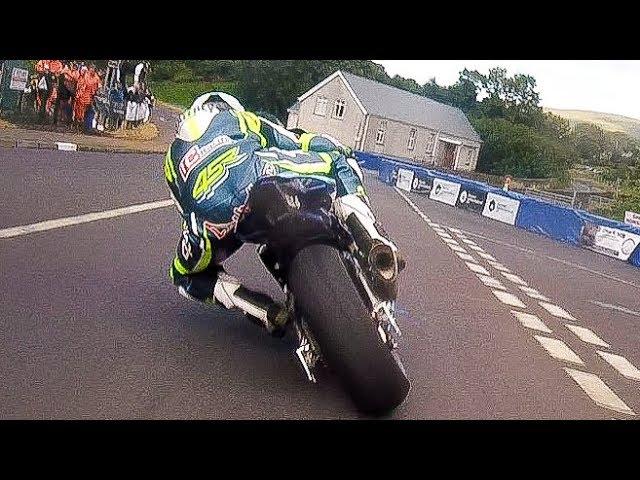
[607, 121]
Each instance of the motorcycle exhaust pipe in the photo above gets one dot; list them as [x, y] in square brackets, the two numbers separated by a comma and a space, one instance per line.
[382, 264]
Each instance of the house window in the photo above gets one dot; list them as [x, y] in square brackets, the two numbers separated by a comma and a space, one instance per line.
[469, 156]
[321, 106]
[338, 109]
[412, 139]
[430, 141]
[380, 133]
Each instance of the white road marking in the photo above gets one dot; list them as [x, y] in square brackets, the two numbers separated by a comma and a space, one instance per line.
[555, 259]
[509, 299]
[531, 321]
[491, 282]
[587, 335]
[476, 248]
[621, 364]
[450, 241]
[514, 278]
[465, 256]
[499, 266]
[598, 391]
[78, 219]
[556, 311]
[456, 248]
[486, 256]
[454, 230]
[435, 225]
[440, 231]
[445, 235]
[474, 267]
[469, 242]
[616, 307]
[558, 349]
[533, 293]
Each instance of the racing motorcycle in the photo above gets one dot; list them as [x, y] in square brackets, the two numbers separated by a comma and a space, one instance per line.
[339, 285]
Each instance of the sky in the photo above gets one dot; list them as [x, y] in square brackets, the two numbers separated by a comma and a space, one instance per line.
[610, 86]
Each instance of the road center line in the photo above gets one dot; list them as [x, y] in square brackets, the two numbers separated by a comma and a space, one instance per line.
[78, 219]
[615, 307]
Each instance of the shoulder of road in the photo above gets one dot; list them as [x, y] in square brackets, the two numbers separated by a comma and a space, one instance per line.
[15, 136]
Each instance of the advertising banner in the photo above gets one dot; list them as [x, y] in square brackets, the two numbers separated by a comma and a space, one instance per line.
[503, 209]
[445, 191]
[471, 199]
[405, 179]
[632, 218]
[609, 241]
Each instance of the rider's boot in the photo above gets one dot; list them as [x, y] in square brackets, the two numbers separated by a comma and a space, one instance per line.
[258, 307]
[261, 309]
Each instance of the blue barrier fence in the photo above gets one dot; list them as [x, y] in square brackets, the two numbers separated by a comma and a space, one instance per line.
[565, 224]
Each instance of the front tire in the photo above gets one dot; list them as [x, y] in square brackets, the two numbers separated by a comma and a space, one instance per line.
[345, 332]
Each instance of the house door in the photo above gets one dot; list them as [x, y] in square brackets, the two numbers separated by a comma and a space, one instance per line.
[449, 155]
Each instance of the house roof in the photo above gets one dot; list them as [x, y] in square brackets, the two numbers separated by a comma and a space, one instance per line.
[294, 108]
[395, 104]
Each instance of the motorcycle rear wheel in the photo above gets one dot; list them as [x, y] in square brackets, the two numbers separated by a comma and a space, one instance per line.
[345, 332]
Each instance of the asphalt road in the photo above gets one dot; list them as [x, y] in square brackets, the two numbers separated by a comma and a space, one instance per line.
[91, 327]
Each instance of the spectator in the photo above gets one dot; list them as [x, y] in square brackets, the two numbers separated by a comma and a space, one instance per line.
[44, 85]
[88, 85]
[65, 90]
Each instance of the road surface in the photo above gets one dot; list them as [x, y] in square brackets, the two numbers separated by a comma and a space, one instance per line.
[91, 326]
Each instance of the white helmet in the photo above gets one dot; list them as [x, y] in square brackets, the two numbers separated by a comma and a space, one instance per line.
[194, 121]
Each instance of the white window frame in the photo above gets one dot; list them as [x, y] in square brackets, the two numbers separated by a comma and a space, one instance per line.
[381, 133]
[411, 143]
[321, 101]
[336, 108]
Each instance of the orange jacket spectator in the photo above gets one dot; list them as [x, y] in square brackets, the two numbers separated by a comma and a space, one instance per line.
[42, 66]
[55, 66]
[88, 85]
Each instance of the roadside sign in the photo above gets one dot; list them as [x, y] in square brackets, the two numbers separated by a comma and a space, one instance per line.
[632, 218]
[19, 79]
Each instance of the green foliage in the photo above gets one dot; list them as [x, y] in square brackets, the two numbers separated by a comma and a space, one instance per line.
[519, 150]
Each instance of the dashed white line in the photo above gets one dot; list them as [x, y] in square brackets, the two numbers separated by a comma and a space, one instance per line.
[598, 391]
[445, 235]
[450, 241]
[434, 225]
[556, 311]
[621, 364]
[474, 267]
[558, 349]
[533, 293]
[486, 256]
[456, 248]
[469, 242]
[587, 335]
[455, 230]
[509, 299]
[531, 321]
[476, 248]
[499, 266]
[514, 278]
[78, 219]
[465, 256]
[491, 282]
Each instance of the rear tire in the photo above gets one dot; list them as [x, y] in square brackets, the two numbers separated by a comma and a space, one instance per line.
[345, 332]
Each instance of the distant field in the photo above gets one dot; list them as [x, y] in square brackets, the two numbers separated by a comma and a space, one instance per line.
[607, 121]
[182, 94]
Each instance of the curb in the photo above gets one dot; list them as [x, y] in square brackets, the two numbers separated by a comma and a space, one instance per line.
[74, 147]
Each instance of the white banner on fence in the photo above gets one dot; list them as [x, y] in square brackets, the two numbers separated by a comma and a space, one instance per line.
[632, 218]
[444, 191]
[609, 241]
[19, 79]
[405, 179]
[503, 209]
